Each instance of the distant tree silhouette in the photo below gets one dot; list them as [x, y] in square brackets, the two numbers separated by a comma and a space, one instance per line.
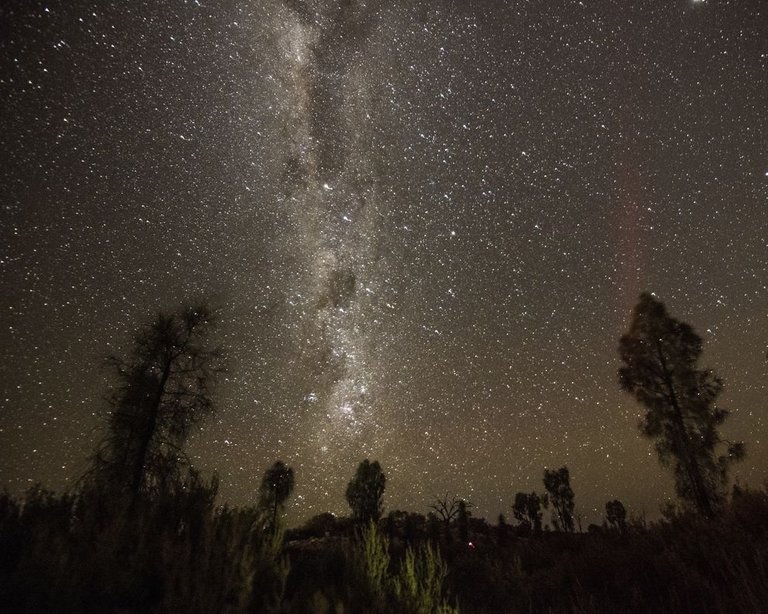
[414, 527]
[433, 527]
[558, 485]
[410, 524]
[502, 531]
[527, 509]
[660, 355]
[365, 491]
[165, 387]
[616, 515]
[447, 510]
[276, 486]
[462, 520]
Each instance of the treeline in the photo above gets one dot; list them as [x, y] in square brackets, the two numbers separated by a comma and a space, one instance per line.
[682, 563]
[179, 552]
[141, 532]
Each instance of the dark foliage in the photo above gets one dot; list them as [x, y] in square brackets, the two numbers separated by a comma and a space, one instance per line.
[450, 510]
[616, 515]
[502, 532]
[175, 552]
[558, 485]
[181, 553]
[660, 356]
[686, 564]
[276, 486]
[164, 390]
[462, 520]
[365, 491]
[527, 510]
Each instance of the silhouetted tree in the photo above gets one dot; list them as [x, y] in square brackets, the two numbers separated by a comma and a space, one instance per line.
[408, 524]
[414, 526]
[660, 357]
[433, 527]
[447, 510]
[527, 509]
[558, 485]
[502, 531]
[165, 387]
[616, 515]
[276, 486]
[462, 520]
[365, 491]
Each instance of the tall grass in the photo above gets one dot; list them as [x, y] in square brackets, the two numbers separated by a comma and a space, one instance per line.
[414, 586]
[175, 553]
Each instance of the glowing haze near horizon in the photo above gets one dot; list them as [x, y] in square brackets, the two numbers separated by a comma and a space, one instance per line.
[425, 224]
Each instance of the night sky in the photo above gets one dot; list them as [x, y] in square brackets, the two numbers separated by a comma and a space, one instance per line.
[425, 223]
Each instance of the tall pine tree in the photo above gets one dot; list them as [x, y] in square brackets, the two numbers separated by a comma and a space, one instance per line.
[660, 356]
[164, 390]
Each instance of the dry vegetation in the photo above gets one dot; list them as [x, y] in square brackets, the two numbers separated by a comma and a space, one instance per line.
[182, 553]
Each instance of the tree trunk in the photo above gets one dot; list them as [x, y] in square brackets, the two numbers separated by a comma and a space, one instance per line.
[700, 492]
[274, 514]
[149, 433]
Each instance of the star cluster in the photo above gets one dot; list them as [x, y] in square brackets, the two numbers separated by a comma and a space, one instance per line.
[425, 225]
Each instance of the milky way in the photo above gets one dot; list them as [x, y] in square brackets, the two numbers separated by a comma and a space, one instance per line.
[425, 225]
[331, 191]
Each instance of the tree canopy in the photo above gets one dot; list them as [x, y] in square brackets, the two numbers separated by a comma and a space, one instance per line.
[164, 389]
[616, 515]
[365, 491]
[527, 509]
[276, 486]
[558, 485]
